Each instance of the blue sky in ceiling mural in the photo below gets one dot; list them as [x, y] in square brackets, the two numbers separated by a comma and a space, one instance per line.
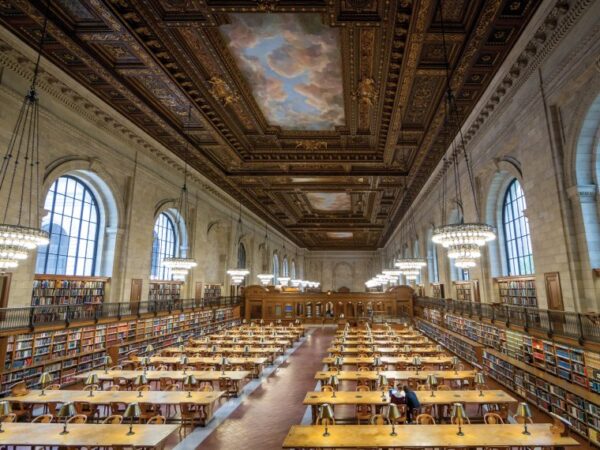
[292, 63]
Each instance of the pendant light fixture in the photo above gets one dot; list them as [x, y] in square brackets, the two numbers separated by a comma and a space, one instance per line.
[285, 279]
[238, 273]
[265, 278]
[463, 240]
[181, 265]
[19, 178]
[408, 265]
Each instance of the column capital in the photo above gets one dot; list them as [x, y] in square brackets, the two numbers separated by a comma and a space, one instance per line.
[584, 193]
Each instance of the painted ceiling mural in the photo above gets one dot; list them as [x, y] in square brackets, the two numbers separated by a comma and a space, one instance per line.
[339, 234]
[293, 64]
[329, 201]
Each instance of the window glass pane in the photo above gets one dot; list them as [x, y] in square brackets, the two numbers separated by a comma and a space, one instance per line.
[164, 245]
[73, 238]
[517, 246]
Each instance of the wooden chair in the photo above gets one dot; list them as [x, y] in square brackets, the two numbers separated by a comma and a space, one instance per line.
[165, 382]
[123, 383]
[363, 412]
[86, 409]
[118, 408]
[326, 388]
[53, 387]
[114, 419]
[147, 411]
[206, 387]
[114, 388]
[521, 420]
[422, 387]
[492, 418]
[443, 387]
[156, 420]
[226, 385]
[379, 419]
[362, 388]
[425, 419]
[43, 418]
[190, 415]
[22, 410]
[9, 418]
[77, 418]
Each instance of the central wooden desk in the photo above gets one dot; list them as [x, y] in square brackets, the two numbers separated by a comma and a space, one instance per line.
[84, 435]
[236, 376]
[420, 436]
[203, 399]
[315, 399]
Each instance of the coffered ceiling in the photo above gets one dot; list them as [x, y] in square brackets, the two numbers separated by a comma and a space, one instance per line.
[324, 115]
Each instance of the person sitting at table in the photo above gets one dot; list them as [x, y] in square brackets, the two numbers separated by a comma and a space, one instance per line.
[412, 402]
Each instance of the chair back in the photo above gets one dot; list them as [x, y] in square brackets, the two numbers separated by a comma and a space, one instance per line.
[157, 420]
[362, 388]
[326, 388]
[492, 418]
[77, 418]
[114, 419]
[425, 419]
[43, 418]
[378, 419]
[9, 418]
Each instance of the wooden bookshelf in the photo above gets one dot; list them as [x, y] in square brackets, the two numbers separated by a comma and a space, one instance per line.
[548, 392]
[165, 290]
[437, 290]
[465, 348]
[68, 352]
[68, 290]
[519, 291]
[572, 364]
[464, 291]
[212, 291]
[522, 364]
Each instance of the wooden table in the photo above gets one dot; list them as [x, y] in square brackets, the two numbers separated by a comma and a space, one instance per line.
[495, 396]
[203, 399]
[419, 436]
[257, 362]
[315, 399]
[237, 376]
[396, 375]
[229, 341]
[370, 360]
[271, 353]
[84, 435]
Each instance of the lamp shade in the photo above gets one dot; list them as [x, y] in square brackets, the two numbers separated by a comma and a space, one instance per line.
[438, 348]
[333, 380]
[416, 361]
[132, 411]
[149, 348]
[224, 361]
[383, 381]
[140, 380]
[458, 412]
[455, 360]
[523, 410]
[326, 411]
[45, 378]
[407, 349]
[479, 378]
[431, 380]
[5, 408]
[92, 378]
[393, 413]
[66, 410]
[144, 360]
[183, 360]
[180, 340]
[107, 360]
[189, 380]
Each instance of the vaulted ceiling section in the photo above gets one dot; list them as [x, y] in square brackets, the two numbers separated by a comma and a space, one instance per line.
[324, 116]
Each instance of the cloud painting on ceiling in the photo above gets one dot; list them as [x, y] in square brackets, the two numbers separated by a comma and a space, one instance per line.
[293, 65]
[329, 201]
[339, 234]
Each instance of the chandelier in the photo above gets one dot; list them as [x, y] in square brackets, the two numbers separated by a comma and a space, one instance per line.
[239, 273]
[19, 178]
[462, 240]
[181, 265]
[265, 278]
[284, 280]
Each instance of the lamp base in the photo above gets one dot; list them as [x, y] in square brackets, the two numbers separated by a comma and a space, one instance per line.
[460, 433]
[526, 432]
[129, 433]
[326, 433]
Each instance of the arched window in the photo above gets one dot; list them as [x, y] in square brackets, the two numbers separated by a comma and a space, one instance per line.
[293, 271]
[164, 245]
[73, 223]
[275, 268]
[241, 256]
[286, 271]
[517, 241]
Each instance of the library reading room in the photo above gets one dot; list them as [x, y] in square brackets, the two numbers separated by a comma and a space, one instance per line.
[299, 224]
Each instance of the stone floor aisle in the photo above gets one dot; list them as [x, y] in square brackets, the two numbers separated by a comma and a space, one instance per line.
[264, 419]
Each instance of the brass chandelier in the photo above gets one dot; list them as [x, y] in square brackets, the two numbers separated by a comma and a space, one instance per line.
[19, 178]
